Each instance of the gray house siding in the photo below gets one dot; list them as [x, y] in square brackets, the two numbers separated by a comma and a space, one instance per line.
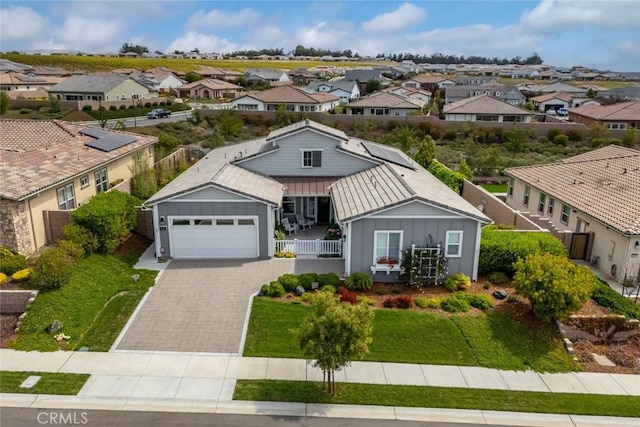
[211, 193]
[287, 160]
[416, 231]
[211, 208]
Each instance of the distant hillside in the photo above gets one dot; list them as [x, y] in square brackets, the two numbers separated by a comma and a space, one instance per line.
[96, 63]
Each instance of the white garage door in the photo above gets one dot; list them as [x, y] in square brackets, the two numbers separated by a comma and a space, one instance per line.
[213, 237]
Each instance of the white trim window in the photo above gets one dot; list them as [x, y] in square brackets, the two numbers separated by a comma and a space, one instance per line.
[541, 202]
[552, 203]
[66, 197]
[84, 181]
[311, 158]
[453, 244]
[564, 216]
[102, 184]
[288, 205]
[525, 198]
[387, 247]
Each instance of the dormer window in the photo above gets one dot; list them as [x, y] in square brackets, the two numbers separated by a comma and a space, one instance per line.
[311, 158]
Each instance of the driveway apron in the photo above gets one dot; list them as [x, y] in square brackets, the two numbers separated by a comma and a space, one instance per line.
[201, 305]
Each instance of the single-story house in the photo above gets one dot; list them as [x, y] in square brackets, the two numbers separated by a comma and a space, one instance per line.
[266, 77]
[595, 195]
[228, 204]
[423, 95]
[629, 93]
[615, 116]
[209, 89]
[485, 108]
[158, 81]
[428, 82]
[26, 84]
[100, 87]
[347, 91]
[217, 73]
[562, 87]
[385, 104]
[509, 94]
[294, 99]
[557, 100]
[50, 165]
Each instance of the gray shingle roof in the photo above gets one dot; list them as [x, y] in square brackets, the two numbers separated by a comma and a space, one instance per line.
[94, 83]
[386, 100]
[604, 184]
[484, 104]
[307, 124]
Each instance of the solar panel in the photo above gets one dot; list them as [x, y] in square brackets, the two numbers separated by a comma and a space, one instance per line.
[387, 155]
[107, 141]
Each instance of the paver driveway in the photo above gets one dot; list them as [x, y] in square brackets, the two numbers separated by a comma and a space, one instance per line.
[201, 305]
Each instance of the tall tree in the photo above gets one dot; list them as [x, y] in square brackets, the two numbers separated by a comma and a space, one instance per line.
[335, 334]
[129, 47]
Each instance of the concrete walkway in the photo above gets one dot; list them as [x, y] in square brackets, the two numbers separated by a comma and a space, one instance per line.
[201, 382]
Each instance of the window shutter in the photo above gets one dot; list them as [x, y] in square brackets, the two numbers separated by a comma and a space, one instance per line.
[316, 160]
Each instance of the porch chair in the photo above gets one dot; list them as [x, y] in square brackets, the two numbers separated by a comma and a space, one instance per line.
[304, 222]
[288, 227]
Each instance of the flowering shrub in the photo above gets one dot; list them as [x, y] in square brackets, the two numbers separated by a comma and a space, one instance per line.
[387, 260]
[333, 232]
[284, 255]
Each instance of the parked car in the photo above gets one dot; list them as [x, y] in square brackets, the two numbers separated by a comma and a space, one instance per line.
[563, 112]
[552, 112]
[158, 113]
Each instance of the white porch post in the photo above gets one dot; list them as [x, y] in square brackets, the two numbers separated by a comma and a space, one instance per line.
[476, 255]
[156, 231]
[346, 250]
[271, 225]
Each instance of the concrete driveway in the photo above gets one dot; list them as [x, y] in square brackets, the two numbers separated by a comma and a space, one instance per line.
[201, 305]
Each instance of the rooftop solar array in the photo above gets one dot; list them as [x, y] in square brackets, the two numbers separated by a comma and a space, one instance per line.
[387, 155]
[31, 79]
[107, 141]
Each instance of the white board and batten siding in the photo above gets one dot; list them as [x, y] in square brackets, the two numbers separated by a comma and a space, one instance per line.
[287, 159]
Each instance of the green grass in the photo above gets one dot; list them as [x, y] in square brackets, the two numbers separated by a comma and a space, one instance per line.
[495, 188]
[499, 341]
[80, 305]
[50, 383]
[493, 340]
[439, 397]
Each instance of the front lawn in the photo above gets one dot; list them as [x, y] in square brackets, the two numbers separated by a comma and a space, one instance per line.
[50, 383]
[439, 397]
[494, 339]
[93, 307]
[495, 188]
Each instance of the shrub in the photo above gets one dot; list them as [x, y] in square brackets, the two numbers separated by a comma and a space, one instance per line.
[264, 290]
[3, 278]
[421, 302]
[452, 179]
[25, 110]
[561, 140]
[328, 279]
[329, 289]
[147, 105]
[575, 135]
[486, 285]
[306, 279]
[112, 108]
[289, 282]
[11, 262]
[609, 298]
[552, 133]
[388, 302]
[499, 249]
[52, 269]
[400, 301]
[554, 285]
[21, 275]
[276, 290]
[350, 297]
[80, 236]
[479, 301]
[457, 282]
[498, 277]
[364, 300]
[87, 108]
[381, 291]
[74, 250]
[450, 134]
[359, 282]
[110, 216]
[457, 303]
[434, 302]
[123, 107]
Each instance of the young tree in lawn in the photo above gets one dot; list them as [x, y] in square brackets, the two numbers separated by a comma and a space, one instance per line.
[335, 334]
[555, 286]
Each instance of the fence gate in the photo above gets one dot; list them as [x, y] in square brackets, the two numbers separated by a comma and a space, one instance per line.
[579, 243]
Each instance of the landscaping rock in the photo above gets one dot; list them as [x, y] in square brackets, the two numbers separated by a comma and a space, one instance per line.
[499, 294]
[54, 327]
[299, 290]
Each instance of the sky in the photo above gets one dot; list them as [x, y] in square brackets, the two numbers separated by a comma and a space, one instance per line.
[603, 34]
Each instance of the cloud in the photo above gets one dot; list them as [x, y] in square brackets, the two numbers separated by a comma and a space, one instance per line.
[20, 23]
[204, 42]
[404, 16]
[561, 15]
[222, 19]
[87, 34]
[326, 35]
[267, 35]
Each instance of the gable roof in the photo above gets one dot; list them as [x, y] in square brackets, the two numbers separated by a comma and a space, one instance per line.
[629, 110]
[386, 100]
[213, 84]
[561, 87]
[484, 104]
[290, 94]
[429, 79]
[94, 83]
[36, 154]
[562, 96]
[265, 73]
[346, 85]
[602, 183]
[364, 76]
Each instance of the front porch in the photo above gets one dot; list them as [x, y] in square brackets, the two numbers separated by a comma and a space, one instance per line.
[310, 243]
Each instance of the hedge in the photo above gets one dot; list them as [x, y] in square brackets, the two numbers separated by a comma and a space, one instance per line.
[499, 249]
[451, 179]
[607, 297]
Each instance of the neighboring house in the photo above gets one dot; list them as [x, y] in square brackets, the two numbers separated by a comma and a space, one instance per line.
[509, 94]
[428, 82]
[266, 77]
[485, 108]
[421, 95]
[49, 165]
[159, 81]
[100, 87]
[363, 76]
[210, 89]
[292, 98]
[526, 73]
[227, 204]
[595, 193]
[385, 104]
[347, 91]
[629, 93]
[17, 67]
[557, 100]
[616, 116]
[302, 77]
[25, 83]
[217, 73]
[464, 80]
[561, 87]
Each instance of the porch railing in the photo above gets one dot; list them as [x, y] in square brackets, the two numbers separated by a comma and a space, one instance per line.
[309, 247]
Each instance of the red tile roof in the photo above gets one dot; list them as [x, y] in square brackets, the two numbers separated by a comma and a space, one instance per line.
[622, 111]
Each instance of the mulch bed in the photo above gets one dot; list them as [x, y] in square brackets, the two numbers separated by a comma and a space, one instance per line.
[8, 323]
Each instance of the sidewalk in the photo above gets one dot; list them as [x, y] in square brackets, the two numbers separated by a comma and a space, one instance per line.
[201, 382]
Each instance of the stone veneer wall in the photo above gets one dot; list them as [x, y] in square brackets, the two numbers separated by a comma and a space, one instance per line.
[16, 302]
[15, 232]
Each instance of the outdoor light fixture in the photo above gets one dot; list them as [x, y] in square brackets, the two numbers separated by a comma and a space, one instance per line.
[161, 220]
[637, 246]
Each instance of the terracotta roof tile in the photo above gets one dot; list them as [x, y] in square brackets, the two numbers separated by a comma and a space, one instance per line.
[622, 111]
[483, 104]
